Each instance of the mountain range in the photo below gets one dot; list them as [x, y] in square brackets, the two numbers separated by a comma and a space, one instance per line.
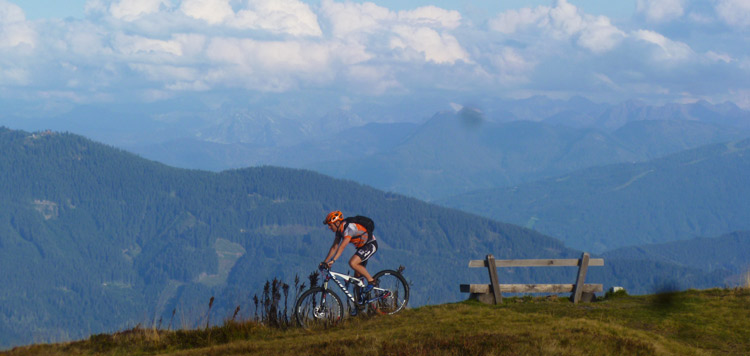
[699, 192]
[404, 147]
[456, 152]
[727, 252]
[95, 239]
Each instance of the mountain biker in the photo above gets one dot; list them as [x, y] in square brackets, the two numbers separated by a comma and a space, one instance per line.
[346, 232]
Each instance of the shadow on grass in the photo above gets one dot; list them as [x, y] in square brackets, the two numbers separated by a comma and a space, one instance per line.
[667, 298]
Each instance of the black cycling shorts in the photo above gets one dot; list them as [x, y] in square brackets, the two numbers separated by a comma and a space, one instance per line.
[366, 251]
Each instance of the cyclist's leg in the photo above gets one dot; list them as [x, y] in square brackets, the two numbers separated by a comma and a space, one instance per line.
[358, 262]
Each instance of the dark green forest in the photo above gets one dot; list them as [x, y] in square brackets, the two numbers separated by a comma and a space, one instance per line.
[94, 239]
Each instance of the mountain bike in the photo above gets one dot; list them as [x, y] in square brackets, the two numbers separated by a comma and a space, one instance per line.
[320, 306]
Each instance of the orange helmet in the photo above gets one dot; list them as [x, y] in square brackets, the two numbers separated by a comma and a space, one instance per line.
[333, 217]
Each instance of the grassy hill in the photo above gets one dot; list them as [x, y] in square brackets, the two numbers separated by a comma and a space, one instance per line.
[706, 322]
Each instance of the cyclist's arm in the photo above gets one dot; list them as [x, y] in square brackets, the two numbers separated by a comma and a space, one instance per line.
[333, 249]
[339, 249]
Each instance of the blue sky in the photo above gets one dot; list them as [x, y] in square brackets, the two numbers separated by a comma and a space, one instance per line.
[149, 50]
[46, 9]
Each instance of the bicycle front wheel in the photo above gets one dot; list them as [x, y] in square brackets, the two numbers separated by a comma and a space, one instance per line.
[318, 307]
[393, 292]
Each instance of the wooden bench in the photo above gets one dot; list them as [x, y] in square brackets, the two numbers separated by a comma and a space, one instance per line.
[492, 293]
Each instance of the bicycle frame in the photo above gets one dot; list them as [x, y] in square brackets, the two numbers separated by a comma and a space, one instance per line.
[331, 275]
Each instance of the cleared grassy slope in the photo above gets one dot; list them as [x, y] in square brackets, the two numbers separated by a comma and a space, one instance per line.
[707, 322]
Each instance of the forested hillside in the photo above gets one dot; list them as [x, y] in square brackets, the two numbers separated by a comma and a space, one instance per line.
[95, 239]
[700, 192]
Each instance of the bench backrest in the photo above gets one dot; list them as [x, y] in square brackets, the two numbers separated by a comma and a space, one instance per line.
[577, 289]
[572, 262]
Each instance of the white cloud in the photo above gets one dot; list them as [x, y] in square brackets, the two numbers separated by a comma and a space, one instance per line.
[10, 13]
[668, 50]
[564, 19]
[603, 78]
[137, 45]
[95, 7]
[350, 18]
[660, 10]
[510, 21]
[279, 16]
[130, 10]
[350, 53]
[512, 67]
[719, 57]
[196, 85]
[421, 34]
[14, 76]
[431, 16]
[156, 48]
[267, 65]
[166, 73]
[18, 45]
[289, 56]
[211, 11]
[14, 29]
[734, 12]
[435, 47]
[740, 97]
[600, 35]
[561, 22]
[85, 40]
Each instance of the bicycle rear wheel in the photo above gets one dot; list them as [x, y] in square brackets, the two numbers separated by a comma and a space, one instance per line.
[318, 307]
[393, 292]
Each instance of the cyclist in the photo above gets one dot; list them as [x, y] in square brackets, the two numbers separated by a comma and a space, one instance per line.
[346, 232]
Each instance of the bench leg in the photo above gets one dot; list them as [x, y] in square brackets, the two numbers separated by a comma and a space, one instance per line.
[583, 267]
[494, 285]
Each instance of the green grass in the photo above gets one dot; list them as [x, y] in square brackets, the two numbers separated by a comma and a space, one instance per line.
[707, 322]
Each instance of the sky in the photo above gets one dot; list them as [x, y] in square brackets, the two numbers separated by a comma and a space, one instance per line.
[99, 51]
